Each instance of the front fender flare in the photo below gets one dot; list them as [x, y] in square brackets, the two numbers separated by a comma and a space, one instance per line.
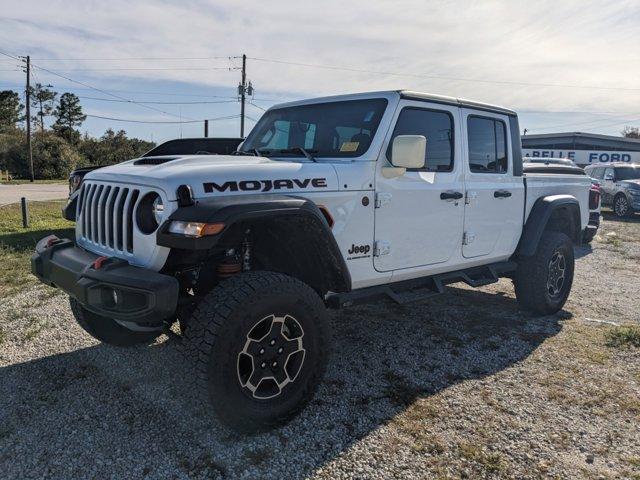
[232, 210]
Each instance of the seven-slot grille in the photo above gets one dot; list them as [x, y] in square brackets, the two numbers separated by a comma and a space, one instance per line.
[106, 215]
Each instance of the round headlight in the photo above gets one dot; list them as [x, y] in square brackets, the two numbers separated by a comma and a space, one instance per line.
[149, 213]
[157, 207]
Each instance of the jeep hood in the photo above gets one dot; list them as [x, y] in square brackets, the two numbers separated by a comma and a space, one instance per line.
[211, 175]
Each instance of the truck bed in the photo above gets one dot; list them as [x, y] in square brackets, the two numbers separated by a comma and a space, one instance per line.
[556, 181]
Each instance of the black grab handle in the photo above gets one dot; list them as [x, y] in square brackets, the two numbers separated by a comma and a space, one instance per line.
[450, 196]
[501, 194]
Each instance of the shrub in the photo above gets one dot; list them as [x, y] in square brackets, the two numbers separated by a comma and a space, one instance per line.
[53, 157]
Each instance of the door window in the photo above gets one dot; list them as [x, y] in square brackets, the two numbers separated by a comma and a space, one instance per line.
[597, 173]
[487, 145]
[607, 172]
[437, 127]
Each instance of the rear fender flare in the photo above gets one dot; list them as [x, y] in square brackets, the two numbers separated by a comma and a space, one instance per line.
[538, 221]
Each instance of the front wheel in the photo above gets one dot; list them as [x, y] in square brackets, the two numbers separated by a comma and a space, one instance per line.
[259, 341]
[543, 281]
[621, 206]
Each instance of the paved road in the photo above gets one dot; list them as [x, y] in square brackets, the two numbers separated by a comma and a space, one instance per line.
[39, 191]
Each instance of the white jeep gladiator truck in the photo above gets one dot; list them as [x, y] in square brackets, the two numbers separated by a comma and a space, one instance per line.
[328, 202]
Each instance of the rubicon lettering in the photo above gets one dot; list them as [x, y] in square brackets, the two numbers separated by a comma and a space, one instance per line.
[264, 185]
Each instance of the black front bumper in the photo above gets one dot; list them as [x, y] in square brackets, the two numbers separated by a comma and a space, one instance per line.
[109, 287]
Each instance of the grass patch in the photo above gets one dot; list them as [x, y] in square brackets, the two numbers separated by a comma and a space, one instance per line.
[17, 244]
[492, 462]
[624, 337]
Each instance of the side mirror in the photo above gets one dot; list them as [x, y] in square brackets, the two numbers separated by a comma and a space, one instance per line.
[609, 176]
[407, 151]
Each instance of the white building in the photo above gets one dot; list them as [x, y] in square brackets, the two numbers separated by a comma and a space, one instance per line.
[582, 148]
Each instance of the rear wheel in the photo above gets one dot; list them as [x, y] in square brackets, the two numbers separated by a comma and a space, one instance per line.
[259, 341]
[108, 330]
[621, 206]
[543, 281]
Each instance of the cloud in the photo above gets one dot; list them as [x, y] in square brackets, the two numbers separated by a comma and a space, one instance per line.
[580, 43]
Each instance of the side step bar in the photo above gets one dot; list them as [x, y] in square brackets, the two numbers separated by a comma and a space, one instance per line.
[418, 289]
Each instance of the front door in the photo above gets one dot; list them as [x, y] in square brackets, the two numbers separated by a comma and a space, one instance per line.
[494, 197]
[418, 219]
[608, 187]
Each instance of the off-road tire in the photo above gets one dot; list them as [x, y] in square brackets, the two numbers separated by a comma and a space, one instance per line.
[621, 206]
[108, 330]
[533, 273]
[219, 327]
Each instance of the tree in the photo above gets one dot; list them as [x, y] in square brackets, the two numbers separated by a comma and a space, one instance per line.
[42, 99]
[631, 132]
[112, 147]
[10, 110]
[53, 157]
[68, 115]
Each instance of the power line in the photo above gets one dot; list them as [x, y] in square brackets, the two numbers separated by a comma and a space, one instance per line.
[258, 106]
[584, 123]
[158, 103]
[134, 58]
[442, 77]
[147, 69]
[166, 94]
[104, 92]
[126, 120]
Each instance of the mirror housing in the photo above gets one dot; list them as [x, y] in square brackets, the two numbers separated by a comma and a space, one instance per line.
[609, 176]
[408, 151]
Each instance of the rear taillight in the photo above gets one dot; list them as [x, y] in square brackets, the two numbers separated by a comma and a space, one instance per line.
[594, 197]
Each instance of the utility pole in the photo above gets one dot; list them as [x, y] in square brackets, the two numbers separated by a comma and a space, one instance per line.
[28, 102]
[243, 92]
[206, 128]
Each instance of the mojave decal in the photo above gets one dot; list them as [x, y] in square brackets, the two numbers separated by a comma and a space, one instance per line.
[265, 185]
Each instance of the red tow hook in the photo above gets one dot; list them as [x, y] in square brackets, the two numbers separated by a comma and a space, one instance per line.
[53, 239]
[97, 263]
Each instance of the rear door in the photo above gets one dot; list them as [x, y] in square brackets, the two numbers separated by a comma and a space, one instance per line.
[494, 197]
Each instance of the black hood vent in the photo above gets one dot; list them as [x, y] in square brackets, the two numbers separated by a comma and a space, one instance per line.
[154, 160]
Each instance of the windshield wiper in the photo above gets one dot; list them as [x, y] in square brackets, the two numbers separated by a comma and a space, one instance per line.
[303, 151]
[252, 153]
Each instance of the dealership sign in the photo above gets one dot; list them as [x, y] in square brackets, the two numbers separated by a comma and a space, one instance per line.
[583, 157]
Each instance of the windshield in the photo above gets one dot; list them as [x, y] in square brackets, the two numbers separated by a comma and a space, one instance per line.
[334, 129]
[627, 173]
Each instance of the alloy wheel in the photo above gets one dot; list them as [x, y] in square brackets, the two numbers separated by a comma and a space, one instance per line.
[621, 206]
[272, 356]
[556, 276]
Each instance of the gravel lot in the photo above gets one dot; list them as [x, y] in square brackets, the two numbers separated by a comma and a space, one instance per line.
[461, 386]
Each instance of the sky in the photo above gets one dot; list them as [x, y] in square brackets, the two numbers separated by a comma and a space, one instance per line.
[562, 65]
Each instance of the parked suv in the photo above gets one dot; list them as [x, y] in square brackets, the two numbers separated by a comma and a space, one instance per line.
[619, 185]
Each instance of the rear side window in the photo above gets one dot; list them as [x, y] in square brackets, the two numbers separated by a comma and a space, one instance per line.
[487, 145]
[597, 173]
[437, 127]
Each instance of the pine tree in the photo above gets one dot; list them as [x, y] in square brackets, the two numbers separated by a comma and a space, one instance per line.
[42, 99]
[68, 115]
[10, 110]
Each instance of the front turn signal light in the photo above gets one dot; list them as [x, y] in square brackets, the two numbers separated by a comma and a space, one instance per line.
[195, 229]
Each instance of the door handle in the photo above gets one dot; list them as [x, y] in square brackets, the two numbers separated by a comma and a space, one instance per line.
[450, 195]
[502, 193]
